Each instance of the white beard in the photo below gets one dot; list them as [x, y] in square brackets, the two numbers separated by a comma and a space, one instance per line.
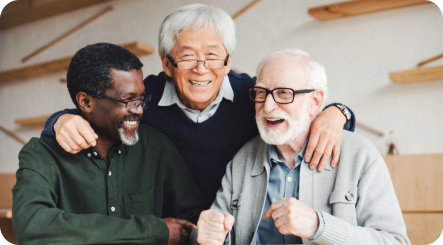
[128, 140]
[274, 137]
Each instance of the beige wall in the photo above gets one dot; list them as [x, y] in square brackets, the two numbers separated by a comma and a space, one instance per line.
[358, 54]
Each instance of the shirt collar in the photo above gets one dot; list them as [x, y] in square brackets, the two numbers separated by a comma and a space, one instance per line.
[170, 96]
[273, 155]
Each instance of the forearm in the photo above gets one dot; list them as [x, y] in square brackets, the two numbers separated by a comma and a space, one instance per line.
[338, 231]
[49, 125]
[378, 216]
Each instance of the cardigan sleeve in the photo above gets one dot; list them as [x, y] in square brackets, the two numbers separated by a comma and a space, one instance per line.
[378, 213]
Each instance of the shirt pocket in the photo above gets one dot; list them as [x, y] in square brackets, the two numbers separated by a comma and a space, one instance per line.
[140, 203]
[343, 200]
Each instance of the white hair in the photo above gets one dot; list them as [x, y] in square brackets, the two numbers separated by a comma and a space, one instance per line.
[194, 16]
[315, 72]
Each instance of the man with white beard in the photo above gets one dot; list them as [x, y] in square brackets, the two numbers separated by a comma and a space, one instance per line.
[268, 190]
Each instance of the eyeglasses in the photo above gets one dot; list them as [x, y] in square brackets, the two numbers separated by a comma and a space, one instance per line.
[130, 104]
[280, 95]
[191, 64]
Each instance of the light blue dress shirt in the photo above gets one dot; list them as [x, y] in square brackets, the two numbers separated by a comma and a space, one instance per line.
[283, 183]
[170, 97]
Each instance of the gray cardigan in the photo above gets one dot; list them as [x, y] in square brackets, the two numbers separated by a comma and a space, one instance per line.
[356, 198]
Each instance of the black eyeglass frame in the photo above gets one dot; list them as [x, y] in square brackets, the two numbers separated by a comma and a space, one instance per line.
[144, 104]
[175, 64]
[294, 93]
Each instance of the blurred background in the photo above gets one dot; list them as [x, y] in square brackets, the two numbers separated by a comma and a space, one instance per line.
[371, 60]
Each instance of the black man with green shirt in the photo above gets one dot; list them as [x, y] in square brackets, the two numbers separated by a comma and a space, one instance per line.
[132, 187]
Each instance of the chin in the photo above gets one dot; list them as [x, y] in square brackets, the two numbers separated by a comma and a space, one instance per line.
[128, 140]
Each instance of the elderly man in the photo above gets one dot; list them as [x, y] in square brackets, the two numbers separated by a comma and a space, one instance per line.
[271, 194]
[200, 104]
[127, 188]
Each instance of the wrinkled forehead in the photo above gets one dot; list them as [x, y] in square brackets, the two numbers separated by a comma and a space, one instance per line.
[282, 72]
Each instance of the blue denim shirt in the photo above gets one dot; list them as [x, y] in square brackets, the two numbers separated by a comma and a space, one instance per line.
[283, 183]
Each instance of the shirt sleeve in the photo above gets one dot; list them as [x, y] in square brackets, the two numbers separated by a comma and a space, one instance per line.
[38, 220]
[321, 226]
[48, 130]
[349, 125]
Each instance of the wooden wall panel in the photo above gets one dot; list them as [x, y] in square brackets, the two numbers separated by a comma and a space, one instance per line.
[418, 181]
[423, 228]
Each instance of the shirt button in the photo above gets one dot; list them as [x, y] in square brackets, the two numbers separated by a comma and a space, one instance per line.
[119, 152]
[89, 154]
[94, 153]
[112, 209]
[289, 178]
[109, 173]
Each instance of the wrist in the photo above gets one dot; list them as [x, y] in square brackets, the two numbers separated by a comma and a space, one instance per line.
[345, 112]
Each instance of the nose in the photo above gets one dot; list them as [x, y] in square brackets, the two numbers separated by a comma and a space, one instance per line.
[201, 66]
[269, 104]
[137, 110]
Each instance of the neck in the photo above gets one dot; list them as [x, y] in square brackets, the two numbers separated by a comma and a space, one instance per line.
[288, 152]
[103, 145]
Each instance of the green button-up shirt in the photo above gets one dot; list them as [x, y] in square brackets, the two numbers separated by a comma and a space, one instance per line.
[61, 198]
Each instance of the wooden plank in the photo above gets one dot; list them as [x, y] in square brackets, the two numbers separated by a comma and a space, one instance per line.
[417, 181]
[423, 228]
[430, 60]
[68, 33]
[7, 181]
[12, 134]
[353, 8]
[61, 64]
[32, 121]
[246, 8]
[422, 74]
[25, 15]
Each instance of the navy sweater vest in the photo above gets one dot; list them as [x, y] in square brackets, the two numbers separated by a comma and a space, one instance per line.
[207, 147]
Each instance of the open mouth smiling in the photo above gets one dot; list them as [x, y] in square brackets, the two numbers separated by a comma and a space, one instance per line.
[200, 83]
[273, 120]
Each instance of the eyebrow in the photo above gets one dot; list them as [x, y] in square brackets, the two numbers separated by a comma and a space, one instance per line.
[183, 48]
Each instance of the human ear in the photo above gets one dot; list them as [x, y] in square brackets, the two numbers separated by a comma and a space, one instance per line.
[85, 102]
[228, 65]
[317, 97]
[166, 65]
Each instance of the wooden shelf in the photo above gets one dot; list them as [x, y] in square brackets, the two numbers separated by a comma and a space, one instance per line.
[25, 11]
[424, 74]
[136, 48]
[32, 121]
[352, 8]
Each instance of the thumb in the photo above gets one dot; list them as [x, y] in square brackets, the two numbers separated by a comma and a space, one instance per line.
[268, 213]
[229, 221]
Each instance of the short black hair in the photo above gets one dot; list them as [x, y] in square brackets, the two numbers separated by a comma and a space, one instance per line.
[89, 70]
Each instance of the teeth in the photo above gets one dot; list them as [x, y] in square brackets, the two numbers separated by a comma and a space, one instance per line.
[273, 119]
[200, 83]
[131, 122]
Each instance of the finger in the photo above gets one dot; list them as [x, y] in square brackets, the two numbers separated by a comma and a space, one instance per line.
[72, 145]
[273, 206]
[229, 221]
[216, 217]
[88, 134]
[335, 155]
[318, 152]
[64, 145]
[313, 139]
[325, 158]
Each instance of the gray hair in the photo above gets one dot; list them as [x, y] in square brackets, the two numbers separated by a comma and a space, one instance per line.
[194, 16]
[315, 72]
